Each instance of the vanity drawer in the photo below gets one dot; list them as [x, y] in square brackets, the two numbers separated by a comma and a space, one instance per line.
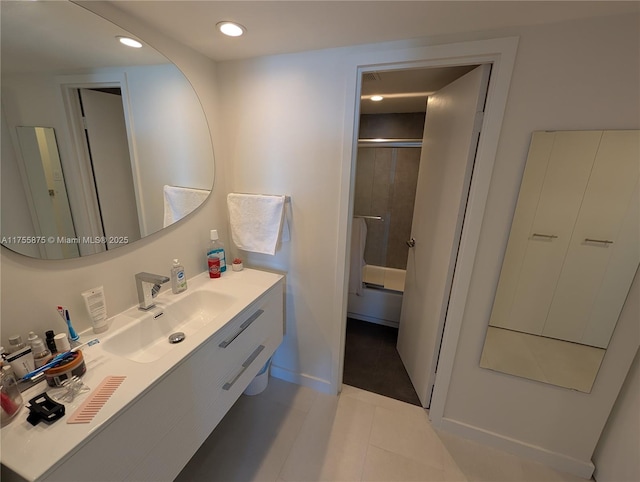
[249, 359]
[236, 341]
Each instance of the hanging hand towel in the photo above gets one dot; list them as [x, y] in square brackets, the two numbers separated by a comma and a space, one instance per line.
[358, 242]
[180, 201]
[256, 221]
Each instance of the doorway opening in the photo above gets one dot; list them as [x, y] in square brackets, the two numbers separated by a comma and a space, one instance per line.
[386, 203]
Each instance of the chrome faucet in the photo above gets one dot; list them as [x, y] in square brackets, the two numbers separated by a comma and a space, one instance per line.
[148, 286]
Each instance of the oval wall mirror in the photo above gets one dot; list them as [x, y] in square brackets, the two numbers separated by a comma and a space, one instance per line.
[103, 144]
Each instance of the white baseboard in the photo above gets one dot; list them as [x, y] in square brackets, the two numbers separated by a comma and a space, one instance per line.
[561, 462]
[305, 380]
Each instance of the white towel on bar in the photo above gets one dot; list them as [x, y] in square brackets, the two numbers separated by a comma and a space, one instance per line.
[358, 243]
[180, 201]
[256, 221]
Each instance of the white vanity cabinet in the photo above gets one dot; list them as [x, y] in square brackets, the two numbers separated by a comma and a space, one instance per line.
[156, 435]
[573, 247]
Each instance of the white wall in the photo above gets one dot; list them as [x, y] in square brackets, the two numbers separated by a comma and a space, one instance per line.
[170, 131]
[288, 125]
[581, 75]
[616, 457]
[31, 289]
[283, 135]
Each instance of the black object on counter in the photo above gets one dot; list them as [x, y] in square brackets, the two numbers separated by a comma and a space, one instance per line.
[51, 343]
[43, 409]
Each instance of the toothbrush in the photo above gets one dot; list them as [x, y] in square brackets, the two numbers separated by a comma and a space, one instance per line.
[64, 313]
[54, 361]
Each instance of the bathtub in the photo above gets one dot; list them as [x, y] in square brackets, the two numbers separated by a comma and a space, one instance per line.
[381, 299]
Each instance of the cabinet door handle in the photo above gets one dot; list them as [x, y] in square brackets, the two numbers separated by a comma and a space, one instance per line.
[245, 365]
[546, 236]
[243, 327]
[603, 241]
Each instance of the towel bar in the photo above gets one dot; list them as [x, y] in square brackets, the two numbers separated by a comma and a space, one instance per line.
[287, 199]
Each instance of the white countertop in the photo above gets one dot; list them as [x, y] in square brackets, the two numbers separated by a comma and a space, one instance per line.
[33, 451]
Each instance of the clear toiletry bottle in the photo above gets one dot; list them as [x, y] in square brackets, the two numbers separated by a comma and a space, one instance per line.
[31, 337]
[20, 357]
[178, 278]
[216, 248]
[15, 343]
[41, 354]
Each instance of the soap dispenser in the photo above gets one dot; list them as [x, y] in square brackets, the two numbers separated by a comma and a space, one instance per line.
[178, 278]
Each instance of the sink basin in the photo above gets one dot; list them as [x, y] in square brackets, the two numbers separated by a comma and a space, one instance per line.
[146, 339]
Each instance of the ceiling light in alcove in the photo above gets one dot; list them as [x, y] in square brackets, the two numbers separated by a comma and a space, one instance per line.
[129, 42]
[376, 98]
[231, 29]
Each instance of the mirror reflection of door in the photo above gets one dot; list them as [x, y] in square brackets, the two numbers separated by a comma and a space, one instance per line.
[108, 150]
[44, 180]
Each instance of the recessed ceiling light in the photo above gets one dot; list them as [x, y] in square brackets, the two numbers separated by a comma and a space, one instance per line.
[231, 29]
[376, 98]
[129, 42]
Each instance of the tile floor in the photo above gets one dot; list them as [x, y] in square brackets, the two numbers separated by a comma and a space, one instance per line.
[293, 433]
[372, 362]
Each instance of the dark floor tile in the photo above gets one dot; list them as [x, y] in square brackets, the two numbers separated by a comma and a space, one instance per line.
[372, 362]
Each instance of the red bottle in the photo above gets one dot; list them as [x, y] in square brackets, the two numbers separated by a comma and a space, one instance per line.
[214, 266]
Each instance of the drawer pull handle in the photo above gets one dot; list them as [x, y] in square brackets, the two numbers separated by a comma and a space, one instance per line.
[245, 365]
[603, 241]
[546, 236]
[243, 327]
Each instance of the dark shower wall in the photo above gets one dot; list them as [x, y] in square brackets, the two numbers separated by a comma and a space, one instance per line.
[385, 186]
[392, 126]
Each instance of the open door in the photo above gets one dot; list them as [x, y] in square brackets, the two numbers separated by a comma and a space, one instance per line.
[111, 163]
[451, 133]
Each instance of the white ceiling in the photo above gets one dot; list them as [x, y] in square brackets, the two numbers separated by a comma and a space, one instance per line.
[275, 27]
[279, 27]
[59, 36]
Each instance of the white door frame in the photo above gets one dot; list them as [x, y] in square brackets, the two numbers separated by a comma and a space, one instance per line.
[501, 54]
